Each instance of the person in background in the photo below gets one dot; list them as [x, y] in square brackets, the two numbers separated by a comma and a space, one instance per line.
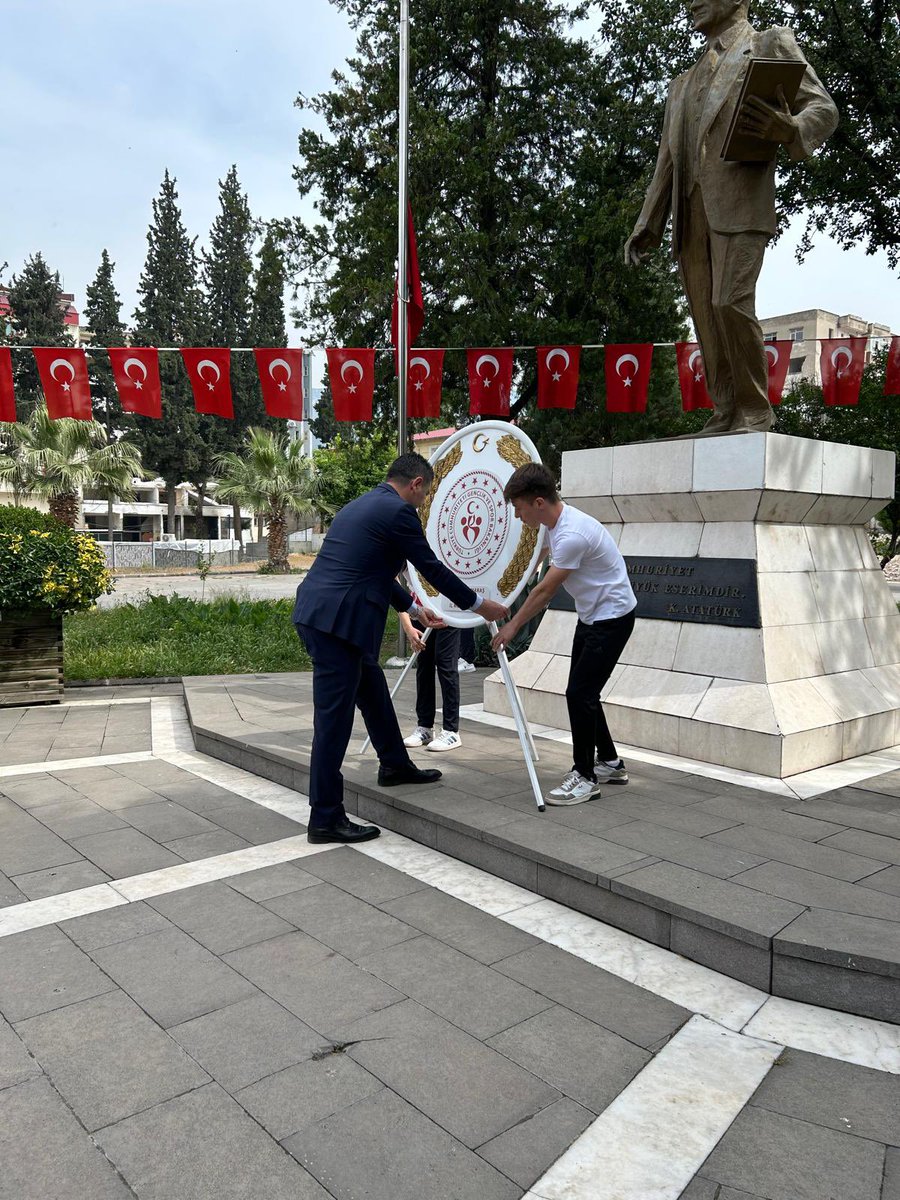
[439, 653]
[466, 660]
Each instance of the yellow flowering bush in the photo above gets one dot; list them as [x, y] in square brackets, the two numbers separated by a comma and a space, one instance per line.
[46, 565]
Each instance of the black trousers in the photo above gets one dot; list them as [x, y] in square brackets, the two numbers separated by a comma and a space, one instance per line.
[441, 652]
[344, 677]
[595, 651]
[467, 645]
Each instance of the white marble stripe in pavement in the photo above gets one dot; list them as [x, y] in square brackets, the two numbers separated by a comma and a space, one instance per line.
[824, 1031]
[52, 765]
[94, 703]
[654, 1137]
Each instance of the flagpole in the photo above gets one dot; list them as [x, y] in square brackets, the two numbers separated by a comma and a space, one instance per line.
[402, 234]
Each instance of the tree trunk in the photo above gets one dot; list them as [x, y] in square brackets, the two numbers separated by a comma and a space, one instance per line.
[278, 559]
[237, 532]
[64, 506]
[199, 530]
[109, 516]
[170, 514]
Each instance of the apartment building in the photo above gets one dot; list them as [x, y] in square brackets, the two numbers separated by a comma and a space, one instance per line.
[808, 328]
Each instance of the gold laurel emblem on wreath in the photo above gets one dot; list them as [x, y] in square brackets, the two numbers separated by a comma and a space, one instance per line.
[441, 471]
[512, 450]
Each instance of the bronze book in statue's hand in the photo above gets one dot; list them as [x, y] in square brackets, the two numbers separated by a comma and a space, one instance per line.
[764, 77]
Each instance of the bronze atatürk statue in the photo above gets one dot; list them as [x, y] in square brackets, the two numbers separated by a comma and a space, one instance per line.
[723, 212]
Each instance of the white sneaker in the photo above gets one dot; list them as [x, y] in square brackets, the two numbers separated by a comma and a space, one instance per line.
[447, 740]
[574, 789]
[419, 737]
[464, 665]
[607, 774]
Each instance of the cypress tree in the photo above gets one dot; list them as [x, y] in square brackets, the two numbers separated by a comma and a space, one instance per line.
[102, 312]
[37, 320]
[268, 326]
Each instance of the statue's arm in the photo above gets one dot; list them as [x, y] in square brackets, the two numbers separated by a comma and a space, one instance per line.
[658, 201]
[814, 111]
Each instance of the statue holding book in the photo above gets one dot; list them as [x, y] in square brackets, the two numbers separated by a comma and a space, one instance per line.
[749, 93]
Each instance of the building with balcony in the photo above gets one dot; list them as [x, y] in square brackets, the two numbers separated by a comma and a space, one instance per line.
[805, 330]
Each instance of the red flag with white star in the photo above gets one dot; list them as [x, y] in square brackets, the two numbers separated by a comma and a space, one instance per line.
[892, 378]
[64, 379]
[842, 365]
[692, 377]
[136, 373]
[7, 394]
[778, 359]
[209, 370]
[281, 380]
[423, 389]
[490, 382]
[351, 374]
[628, 377]
[557, 382]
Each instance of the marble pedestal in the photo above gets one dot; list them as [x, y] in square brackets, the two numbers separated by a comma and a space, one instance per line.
[818, 681]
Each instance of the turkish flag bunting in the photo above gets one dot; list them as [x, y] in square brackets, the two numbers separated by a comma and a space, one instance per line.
[692, 377]
[426, 376]
[64, 379]
[415, 308]
[558, 368]
[842, 365]
[892, 380]
[136, 372]
[778, 358]
[352, 377]
[490, 382]
[281, 380]
[7, 395]
[628, 377]
[209, 370]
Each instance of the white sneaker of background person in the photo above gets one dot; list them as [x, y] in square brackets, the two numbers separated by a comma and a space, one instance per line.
[446, 740]
[574, 789]
[419, 737]
[606, 772]
[464, 665]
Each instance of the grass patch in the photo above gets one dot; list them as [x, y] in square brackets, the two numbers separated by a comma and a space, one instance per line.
[175, 635]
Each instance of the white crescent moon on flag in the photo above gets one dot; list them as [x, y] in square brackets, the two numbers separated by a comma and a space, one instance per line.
[137, 363]
[351, 362]
[841, 350]
[564, 354]
[628, 358]
[61, 362]
[773, 351]
[697, 354]
[279, 362]
[208, 362]
[421, 362]
[488, 358]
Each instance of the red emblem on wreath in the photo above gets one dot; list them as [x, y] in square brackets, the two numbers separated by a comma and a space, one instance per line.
[473, 524]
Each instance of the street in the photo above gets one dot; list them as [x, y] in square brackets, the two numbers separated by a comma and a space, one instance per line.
[252, 586]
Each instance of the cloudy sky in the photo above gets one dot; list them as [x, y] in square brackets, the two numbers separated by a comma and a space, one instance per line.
[101, 97]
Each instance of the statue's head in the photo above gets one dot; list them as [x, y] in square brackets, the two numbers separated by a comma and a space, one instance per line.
[710, 15]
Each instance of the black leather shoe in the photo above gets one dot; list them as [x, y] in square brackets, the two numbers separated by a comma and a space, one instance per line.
[395, 776]
[343, 831]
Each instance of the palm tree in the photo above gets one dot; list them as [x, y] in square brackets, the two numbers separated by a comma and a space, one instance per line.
[59, 459]
[271, 477]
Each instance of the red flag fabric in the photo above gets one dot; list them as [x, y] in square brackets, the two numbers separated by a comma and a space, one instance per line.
[209, 370]
[778, 357]
[415, 309]
[628, 377]
[281, 380]
[426, 376]
[64, 379]
[692, 377]
[842, 365]
[557, 382]
[490, 382]
[352, 377]
[136, 373]
[7, 395]
[892, 379]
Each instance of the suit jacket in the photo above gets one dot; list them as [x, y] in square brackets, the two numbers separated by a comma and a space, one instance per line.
[353, 580]
[738, 197]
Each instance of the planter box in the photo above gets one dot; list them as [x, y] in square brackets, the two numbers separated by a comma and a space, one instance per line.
[31, 659]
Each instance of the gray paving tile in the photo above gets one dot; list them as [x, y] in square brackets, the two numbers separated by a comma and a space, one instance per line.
[854, 816]
[9, 893]
[672, 846]
[525, 1152]
[16, 1065]
[68, 877]
[118, 924]
[721, 952]
[460, 925]
[41, 970]
[891, 1183]
[32, 791]
[172, 977]
[875, 845]
[334, 917]
[819, 891]
[212, 1151]
[554, 845]
[152, 773]
[394, 1167]
[206, 845]
[218, 917]
[267, 882]
[164, 821]
[62, 1162]
[26, 845]
[290, 1100]
[691, 819]
[455, 808]
[857, 943]
[762, 814]
[107, 1059]
[885, 881]
[643, 920]
[701, 1189]
[827, 857]
[115, 792]
[361, 876]
[257, 824]
[123, 852]
[863, 992]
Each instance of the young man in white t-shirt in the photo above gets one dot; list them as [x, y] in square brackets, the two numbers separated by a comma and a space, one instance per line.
[586, 562]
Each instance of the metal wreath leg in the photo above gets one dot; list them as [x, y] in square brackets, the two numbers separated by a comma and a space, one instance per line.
[528, 747]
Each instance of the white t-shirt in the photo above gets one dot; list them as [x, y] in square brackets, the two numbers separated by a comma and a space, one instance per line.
[599, 582]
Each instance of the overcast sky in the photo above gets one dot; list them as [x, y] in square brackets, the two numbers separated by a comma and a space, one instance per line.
[101, 97]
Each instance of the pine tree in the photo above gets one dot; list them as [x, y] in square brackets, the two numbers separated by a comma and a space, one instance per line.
[102, 313]
[268, 325]
[37, 320]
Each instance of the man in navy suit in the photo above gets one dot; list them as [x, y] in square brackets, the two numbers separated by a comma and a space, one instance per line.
[340, 616]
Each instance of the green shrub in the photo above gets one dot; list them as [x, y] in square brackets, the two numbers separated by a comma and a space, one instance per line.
[44, 565]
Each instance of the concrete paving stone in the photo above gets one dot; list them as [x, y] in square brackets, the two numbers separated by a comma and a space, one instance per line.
[289, 1100]
[218, 917]
[152, 773]
[66, 753]
[77, 777]
[123, 852]
[555, 846]
[456, 809]
[398, 1155]
[41, 970]
[340, 920]
[785, 1159]
[26, 845]
[827, 858]
[258, 824]
[866, 993]
[68, 877]
[41, 716]
[643, 920]
[172, 977]
[211, 1150]
[854, 816]
[857, 943]
[582, 1060]
[857, 841]
[888, 784]
[838, 1095]
[15, 753]
[819, 891]
[16, 1064]
[62, 1162]
[624, 1008]
[763, 815]
[118, 924]
[206, 845]
[460, 925]
[525, 1152]
[278, 880]
[378, 812]
[117, 793]
[9, 893]
[361, 876]
[687, 818]
[667, 786]
[471, 995]
[594, 818]
[206, 799]
[246, 1041]
[701, 1189]
[107, 1059]
[315, 984]
[30, 791]
[672, 846]
[70, 819]
[470, 1090]
[165, 821]
[887, 880]
[720, 952]
[890, 1188]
